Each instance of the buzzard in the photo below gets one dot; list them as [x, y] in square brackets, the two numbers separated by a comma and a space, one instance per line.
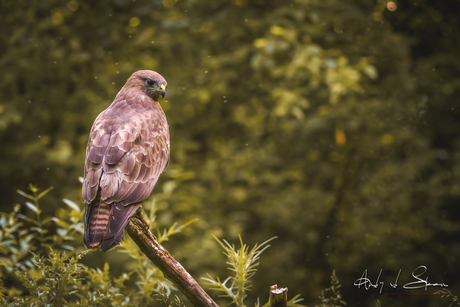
[128, 149]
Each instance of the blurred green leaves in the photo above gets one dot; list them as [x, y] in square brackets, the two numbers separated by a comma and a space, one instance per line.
[330, 124]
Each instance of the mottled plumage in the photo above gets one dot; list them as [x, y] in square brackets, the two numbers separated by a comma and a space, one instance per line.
[128, 149]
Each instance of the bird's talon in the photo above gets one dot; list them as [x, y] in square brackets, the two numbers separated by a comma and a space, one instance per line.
[140, 216]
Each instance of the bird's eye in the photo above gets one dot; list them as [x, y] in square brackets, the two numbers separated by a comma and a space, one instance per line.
[149, 82]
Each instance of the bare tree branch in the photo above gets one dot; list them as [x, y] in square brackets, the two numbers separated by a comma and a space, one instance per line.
[139, 231]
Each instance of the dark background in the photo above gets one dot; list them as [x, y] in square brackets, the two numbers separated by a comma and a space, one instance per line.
[331, 124]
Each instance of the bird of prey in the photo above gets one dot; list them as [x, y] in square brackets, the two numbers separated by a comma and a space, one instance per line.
[128, 149]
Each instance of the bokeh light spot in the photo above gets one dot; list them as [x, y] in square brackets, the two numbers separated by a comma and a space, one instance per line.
[57, 18]
[72, 5]
[387, 139]
[391, 6]
[168, 3]
[340, 137]
[134, 22]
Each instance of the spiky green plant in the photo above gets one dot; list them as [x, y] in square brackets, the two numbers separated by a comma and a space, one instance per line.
[243, 263]
[49, 280]
[335, 297]
[446, 293]
[163, 296]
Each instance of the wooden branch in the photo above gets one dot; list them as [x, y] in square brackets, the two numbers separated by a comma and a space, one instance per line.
[278, 296]
[139, 231]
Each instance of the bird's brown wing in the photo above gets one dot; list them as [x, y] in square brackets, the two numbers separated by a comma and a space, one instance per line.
[124, 159]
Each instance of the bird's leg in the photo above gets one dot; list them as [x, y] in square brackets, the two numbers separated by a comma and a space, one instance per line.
[138, 214]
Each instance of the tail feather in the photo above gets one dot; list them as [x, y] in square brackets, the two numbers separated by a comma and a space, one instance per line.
[88, 238]
[98, 222]
[105, 223]
[119, 218]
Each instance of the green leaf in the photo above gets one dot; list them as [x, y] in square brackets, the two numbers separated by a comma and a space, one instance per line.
[44, 192]
[48, 219]
[152, 212]
[28, 219]
[61, 223]
[61, 231]
[32, 207]
[71, 204]
[25, 195]
[33, 188]
[78, 227]
[3, 221]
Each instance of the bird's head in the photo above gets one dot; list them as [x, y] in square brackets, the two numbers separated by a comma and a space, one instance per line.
[150, 82]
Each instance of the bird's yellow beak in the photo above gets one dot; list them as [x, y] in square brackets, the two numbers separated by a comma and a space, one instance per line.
[162, 90]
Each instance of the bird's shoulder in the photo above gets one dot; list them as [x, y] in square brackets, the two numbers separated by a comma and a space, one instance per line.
[131, 116]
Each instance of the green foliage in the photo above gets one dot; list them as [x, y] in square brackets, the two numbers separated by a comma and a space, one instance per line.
[48, 283]
[242, 262]
[38, 271]
[33, 256]
[335, 297]
[163, 296]
[446, 293]
[20, 234]
[60, 280]
[98, 288]
[56, 278]
[32, 273]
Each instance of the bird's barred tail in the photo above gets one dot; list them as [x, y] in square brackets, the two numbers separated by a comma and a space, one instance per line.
[97, 216]
[105, 223]
[98, 222]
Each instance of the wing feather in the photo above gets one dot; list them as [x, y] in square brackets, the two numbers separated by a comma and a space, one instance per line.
[125, 158]
[114, 155]
[94, 176]
[119, 218]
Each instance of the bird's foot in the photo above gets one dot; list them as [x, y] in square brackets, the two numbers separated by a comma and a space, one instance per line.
[138, 214]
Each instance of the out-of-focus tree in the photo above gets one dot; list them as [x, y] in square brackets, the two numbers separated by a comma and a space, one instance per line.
[330, 124]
